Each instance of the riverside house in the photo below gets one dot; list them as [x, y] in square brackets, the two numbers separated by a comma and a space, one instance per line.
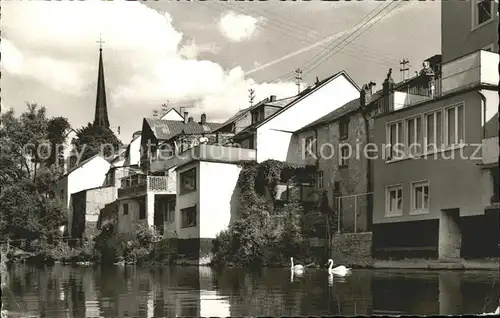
[334, 144]
[435, 197]
[147, 196]
[207, 193]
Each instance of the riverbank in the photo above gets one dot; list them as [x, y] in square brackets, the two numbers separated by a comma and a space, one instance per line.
[460, 264]
[420, 264]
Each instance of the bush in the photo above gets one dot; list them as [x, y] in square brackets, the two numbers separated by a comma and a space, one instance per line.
[113, 247]
[258, 240]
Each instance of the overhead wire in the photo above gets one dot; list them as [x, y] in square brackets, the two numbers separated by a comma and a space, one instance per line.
[328, 56]
[280, 29]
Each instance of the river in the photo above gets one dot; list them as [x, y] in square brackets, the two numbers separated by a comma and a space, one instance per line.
[65, 291]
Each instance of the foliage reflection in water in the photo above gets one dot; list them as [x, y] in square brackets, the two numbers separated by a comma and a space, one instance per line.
[190, 291]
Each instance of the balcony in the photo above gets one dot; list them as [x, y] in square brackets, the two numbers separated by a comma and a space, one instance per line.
[480, 67]
[205, 152]
[138, 184]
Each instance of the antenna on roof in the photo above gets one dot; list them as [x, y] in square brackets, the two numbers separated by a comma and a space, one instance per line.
[298, 78]
[251, 96]
[404, 69]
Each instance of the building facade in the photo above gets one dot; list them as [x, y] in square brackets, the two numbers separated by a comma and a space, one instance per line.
[334, 144]
[435, 187]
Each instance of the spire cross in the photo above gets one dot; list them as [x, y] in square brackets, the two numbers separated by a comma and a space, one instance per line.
[100, 41]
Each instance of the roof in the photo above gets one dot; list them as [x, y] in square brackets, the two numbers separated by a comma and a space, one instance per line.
[277, 103]
[347, 108]
[282, 102]
[236, 116]
[308, 91]
[172, 109]
[81, 164]
[167, 129]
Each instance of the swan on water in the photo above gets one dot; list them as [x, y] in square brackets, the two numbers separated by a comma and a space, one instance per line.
[297, 269]
[339, 270]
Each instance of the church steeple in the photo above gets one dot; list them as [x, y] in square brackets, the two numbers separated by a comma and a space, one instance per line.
[101, 110]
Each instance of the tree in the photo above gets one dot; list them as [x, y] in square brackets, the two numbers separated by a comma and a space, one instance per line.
[93, 139]
[26, 199]
[57, 128]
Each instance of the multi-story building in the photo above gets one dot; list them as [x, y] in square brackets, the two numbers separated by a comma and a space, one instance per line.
[334, 144]
[436, 177]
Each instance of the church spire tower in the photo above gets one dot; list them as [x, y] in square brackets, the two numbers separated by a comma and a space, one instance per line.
[101, 109]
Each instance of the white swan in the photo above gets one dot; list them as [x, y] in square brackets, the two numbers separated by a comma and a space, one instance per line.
[496, 313]
[339, 270]
[297, 269]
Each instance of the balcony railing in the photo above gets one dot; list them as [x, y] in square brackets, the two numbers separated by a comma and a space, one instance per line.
[205, 152]
[140, 184]
[480, 67]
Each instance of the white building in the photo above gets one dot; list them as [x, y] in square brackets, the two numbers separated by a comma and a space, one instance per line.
[89, 174]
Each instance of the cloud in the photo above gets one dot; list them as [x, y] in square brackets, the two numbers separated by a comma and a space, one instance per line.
[54, 43]
[238, 27]
[191, 50]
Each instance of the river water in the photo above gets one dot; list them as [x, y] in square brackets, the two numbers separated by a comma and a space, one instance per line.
[65, 291]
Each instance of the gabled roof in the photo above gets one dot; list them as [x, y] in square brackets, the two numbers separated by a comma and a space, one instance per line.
[347, 108]
[235, 117]
[172, 109]
[167, 129]
[277, 103]
[84, 162]
[282, 102]
[308, 91]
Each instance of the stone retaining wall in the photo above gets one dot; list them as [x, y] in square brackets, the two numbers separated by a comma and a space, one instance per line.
[352, 249]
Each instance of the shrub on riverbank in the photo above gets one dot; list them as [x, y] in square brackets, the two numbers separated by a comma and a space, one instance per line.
[112, 247]
[264, 235]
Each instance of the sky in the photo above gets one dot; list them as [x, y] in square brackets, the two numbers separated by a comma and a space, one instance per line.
[204, 55]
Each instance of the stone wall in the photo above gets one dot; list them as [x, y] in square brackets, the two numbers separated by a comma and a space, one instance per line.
[352, 250]
[356, 178]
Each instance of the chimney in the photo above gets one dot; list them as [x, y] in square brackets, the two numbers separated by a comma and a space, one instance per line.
[365, 97]
[185, 117]
[203, 120]
[272, 98]
[190, 119]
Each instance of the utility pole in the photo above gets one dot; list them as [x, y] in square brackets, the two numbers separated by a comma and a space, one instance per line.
[403, 68]
[298, 77]
[251, 96]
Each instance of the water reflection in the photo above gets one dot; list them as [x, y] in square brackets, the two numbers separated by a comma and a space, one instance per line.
[62, 291]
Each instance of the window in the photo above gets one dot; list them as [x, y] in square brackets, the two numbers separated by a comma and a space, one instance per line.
[433, 131]
[188, 217]
[394, 201]
[125, 209]
[344, 156]
[309, 146]
[319, 179]
[454, 123]
[394, 139]
[420, 197]
[344, 128]
[188, 181]
[414, 135]
[142, 209]
[482, 12]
